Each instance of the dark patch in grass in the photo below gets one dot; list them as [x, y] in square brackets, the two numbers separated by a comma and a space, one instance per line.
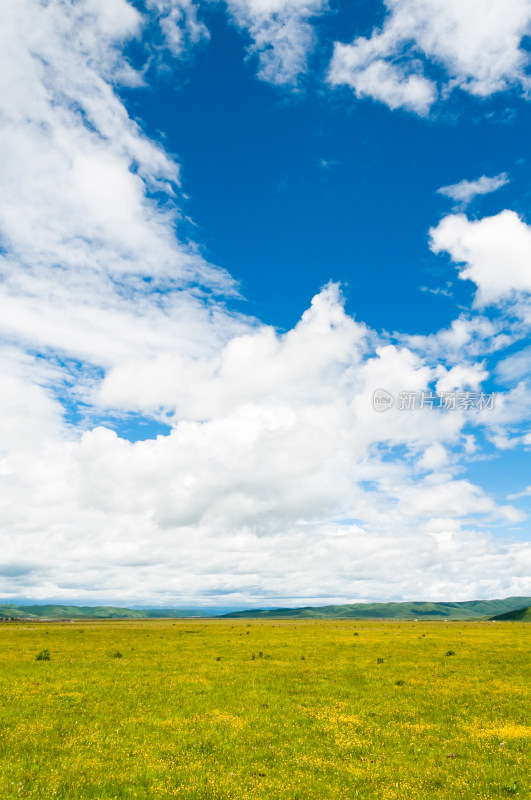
[44, 655]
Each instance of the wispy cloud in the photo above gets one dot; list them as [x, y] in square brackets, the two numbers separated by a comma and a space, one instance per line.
[327, 165]
[282, 36]
[84, 241]
[441, 290]
[515, 367]
[179, 22]
[465, 191]
[517, 495]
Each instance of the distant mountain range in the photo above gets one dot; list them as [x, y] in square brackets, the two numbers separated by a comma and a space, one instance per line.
[472, 609]
[511, 608]
[92, 612]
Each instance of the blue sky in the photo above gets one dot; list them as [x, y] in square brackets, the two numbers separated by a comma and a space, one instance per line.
[296, 188]
[223, 227]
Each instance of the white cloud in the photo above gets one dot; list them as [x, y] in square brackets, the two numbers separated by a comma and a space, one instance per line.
[515, 367]
[179, 22]
[67, 139]
[465, 191]
[435, 456]
[444, 291]
[369, 76]
[495, 251]
[84, 242]
[462, 376]
[476, 44]
[275, 439]
[278, 476]
[466, 338]
[517, 495]
[281, 34]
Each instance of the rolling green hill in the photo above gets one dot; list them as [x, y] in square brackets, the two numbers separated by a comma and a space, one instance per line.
[89, 612]
[519, 615]
[472, 609]
[506, 609]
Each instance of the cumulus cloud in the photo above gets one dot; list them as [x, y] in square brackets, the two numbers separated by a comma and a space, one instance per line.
[276, 478]
[495, 252]
[462, 376]
[477, 45]
[282, 36]
[398, 87]
[465, 191]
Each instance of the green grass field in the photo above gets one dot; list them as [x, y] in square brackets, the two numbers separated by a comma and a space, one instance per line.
[266, 709]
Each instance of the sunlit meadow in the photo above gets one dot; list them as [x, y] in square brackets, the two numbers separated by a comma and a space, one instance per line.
[238, 709]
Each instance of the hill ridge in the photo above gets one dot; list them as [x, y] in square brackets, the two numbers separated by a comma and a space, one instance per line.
[57, 611]
[518, 615]
[466, 609]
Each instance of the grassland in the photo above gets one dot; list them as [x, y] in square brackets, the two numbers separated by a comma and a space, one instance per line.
[265, 709]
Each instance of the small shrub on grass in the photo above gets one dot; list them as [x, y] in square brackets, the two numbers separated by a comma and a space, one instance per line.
[44, 655]
[450, 653]
[117, 654]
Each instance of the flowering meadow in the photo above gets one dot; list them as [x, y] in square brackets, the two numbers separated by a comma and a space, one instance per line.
[289, 710]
